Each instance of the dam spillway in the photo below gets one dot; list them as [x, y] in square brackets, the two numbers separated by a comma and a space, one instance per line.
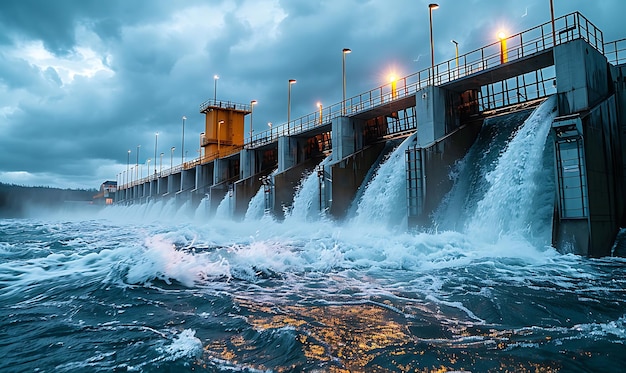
[438, 115]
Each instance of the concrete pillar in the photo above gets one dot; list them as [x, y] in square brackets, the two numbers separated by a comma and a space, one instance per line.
[220, 171]
[247, 161]
[188, 179]
[204, 176]
[344, 138]
[430, 107]
[173, 183]
[588, 172]
[162, 186]
[287, 153]
[582, 76]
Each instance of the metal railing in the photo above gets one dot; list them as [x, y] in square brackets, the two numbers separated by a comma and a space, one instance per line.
[615, 51]
[524, 44]
[225, 105]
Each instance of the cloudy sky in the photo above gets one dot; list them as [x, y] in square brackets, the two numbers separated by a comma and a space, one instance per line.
[82, 82]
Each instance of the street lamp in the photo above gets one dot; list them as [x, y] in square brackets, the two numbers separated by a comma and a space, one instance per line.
[182, 150]
[161, 164]
[148, 168]
[343, 75]
[156, 144]
[128, 164]
[319, 106]
[202, 141]
[252, 103]
[215, 78]
[219, 128]
[137, 164]
[172, 158]
[456, 46]
[552, 20]
[393, 81]
[432, 7]
[291, 81]
[503, 52]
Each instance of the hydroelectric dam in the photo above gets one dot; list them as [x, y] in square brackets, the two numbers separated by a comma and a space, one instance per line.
[537, 119]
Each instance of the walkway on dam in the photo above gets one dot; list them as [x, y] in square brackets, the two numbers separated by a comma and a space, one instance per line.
[523, 57]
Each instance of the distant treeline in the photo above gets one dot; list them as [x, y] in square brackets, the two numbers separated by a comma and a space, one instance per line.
[17, 200]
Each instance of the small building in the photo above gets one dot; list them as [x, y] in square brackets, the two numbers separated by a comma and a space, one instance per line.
[106, 195]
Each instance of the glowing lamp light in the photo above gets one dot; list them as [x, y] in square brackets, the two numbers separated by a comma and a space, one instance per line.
[393, 81]
[503, 50]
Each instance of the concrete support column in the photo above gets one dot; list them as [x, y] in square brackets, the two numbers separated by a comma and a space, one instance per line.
[162, 187]
[173, 183]
[430, 107]
[287, 153]
[344, 138]
[582, 76]
[247, 161]
[188, 179]
[203, 176]
[220, 171]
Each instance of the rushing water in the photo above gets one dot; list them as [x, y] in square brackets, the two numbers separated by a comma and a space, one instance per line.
[149, 289]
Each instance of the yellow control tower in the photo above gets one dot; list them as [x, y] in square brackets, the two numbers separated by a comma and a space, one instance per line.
[223, 128]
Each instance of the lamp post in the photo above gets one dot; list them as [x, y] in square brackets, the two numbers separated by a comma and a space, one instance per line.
[182, 151]
[252, 103]
[552, 20]
[456, 48]
[393, 81]
[343, 78]
[269, 124]
[319, 106]
[128, 165]
[137, 164]
[215, 78]
[503, 52]
[172, 158]
[432, 7]
[291, 81]
[202, 140]
[161, 164]
[148, 168]
[219, 129]
[156, 144]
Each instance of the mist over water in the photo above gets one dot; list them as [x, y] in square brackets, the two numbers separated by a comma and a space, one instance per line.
[157, 287]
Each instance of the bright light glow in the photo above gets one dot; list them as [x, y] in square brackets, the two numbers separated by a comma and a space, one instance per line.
[216, 77]
[501, 35]
[319, 105]
[392, 78]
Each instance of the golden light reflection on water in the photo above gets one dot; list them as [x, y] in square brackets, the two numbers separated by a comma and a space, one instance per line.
[347, 338]
[346, 334]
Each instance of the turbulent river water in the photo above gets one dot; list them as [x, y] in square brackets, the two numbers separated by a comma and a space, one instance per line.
[158, 288]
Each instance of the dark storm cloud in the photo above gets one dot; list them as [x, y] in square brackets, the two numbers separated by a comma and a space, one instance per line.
[139, 66]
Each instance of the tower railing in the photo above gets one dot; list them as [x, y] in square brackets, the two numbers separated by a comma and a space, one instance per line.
[615, 51]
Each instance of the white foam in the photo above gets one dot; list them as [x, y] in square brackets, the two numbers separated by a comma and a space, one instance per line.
[185, 345]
